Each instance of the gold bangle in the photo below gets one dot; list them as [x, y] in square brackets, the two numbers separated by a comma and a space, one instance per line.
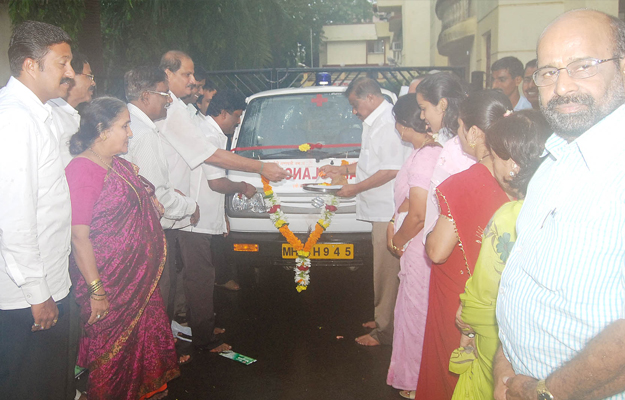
[392, 221]
[394, 247]
[94, 282]
[93, 298]
[95, 286]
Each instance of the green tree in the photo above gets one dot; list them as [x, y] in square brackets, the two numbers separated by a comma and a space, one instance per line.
[117, 35]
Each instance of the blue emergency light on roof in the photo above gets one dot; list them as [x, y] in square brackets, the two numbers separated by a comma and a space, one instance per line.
[323, 79]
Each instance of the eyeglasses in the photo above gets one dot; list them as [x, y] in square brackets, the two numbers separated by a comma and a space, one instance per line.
[159, 93]
[91, 77]
[580, 69]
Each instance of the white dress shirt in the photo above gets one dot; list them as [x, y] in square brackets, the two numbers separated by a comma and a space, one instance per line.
[184, 134]
[35, 209]
[145, 149]
[564, 281]
[212, 212]
[185, 148]
[382, 149]
[66, 122]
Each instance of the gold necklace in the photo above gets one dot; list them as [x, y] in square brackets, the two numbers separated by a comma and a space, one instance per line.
[118, 174]
[480, 160]
[426, 141]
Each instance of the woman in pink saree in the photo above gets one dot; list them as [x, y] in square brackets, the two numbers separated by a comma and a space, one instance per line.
[118, 253]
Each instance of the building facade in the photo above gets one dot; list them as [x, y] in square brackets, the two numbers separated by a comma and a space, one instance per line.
[471, 34]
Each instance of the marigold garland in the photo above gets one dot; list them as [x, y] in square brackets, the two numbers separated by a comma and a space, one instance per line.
[279, 219]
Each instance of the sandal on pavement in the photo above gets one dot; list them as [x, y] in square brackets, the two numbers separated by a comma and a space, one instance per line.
[408, 394]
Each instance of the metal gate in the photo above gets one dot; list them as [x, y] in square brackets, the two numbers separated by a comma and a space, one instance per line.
[250, 81]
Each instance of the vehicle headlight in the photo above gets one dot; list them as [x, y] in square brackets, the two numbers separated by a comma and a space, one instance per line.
[241, 203]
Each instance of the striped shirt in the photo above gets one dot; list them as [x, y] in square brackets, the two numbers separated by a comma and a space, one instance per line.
[564, 281]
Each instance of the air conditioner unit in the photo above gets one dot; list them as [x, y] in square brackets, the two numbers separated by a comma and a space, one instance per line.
[396, 46]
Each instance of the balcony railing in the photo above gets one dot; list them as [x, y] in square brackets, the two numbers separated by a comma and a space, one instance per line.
[452, 12]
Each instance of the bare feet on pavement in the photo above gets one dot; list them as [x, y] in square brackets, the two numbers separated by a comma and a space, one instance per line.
[370, 325]
[220, 348]
[184, 359]
[218, 331]
[367, 340]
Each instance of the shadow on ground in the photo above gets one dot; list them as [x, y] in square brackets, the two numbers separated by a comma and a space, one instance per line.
[294, 338]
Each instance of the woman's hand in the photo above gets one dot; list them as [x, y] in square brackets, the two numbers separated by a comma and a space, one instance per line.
[397, 251]
[465, 328]
[99, 309]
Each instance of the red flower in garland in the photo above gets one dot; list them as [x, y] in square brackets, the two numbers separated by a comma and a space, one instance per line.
[331, 208]
[274, 209]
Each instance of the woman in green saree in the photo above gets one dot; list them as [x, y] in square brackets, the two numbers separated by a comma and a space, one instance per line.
[517, 143]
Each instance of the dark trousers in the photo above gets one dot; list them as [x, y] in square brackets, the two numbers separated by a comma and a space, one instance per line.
[168, 292]
[198, 273]
[224, 269]
[35, 365]
[193, 251]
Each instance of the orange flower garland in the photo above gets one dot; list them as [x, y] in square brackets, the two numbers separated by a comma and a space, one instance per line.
[302, 261]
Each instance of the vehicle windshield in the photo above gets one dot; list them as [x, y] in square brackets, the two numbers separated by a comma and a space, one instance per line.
[274, 127]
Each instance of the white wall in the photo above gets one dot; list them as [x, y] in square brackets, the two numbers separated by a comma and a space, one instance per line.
[347, 53]
[416, 39]
[5, 37]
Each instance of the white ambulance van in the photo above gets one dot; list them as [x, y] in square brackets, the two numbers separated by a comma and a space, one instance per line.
[272, 128]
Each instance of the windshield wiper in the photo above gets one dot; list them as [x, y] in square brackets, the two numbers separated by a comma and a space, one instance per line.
[312, 153]
[355, 152]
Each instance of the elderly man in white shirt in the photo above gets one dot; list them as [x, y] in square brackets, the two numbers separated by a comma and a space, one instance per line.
[35, 218]
[382, 154]
[560, 307]
[208, 184]
[64, 114]
[147, 92]
[188, 149]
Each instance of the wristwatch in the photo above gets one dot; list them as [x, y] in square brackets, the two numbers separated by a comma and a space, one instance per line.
[543, 392]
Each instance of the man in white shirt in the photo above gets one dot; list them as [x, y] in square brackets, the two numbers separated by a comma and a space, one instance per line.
[35, 215]
[208, 184]
[221, 120]
[184, 135]
[64, 113]
[507, 75]
[188, 149]
[382, 154]
[147, 91]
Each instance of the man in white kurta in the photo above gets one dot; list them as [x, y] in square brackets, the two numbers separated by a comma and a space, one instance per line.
[35, 216]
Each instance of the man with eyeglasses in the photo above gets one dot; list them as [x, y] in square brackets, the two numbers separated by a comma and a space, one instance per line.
[561, 304]
[64, 109]
[147, 92]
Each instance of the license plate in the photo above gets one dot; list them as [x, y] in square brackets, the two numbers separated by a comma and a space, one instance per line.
[323, 251]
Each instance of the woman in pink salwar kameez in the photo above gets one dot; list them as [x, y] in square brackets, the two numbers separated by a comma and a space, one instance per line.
[405, 241]
[117, 259]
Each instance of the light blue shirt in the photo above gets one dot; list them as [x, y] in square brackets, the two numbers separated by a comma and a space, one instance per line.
[523, 104]
[564, 281]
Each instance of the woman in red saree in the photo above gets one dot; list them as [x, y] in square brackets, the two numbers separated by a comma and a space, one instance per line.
[467, 202]
[118, 253]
